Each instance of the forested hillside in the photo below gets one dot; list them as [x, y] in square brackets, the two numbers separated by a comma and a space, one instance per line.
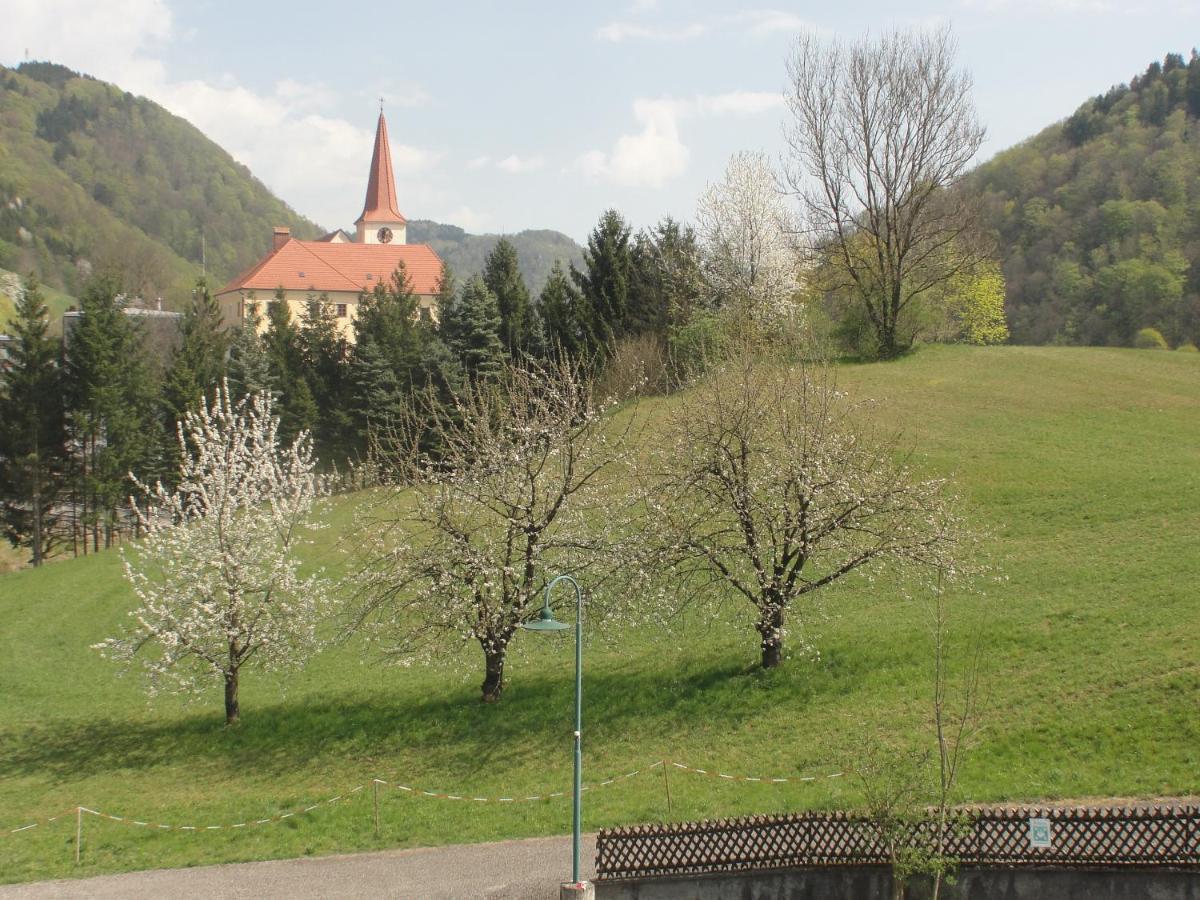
[1099, 216]
[537, 250]
[93, 178]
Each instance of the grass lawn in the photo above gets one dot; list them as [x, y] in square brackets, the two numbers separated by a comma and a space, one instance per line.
[56, 301]
[1083, 463]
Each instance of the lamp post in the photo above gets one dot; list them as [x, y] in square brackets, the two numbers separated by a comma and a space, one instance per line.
[547, 622]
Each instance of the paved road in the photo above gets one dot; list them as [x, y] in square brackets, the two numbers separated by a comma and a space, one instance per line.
[510, 870]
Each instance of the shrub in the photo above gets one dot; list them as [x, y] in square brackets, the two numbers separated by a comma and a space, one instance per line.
[1187, 347]
[638, 364]
[1150, 339]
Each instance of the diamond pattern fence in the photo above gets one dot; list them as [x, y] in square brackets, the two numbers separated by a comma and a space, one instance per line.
[1089, 836]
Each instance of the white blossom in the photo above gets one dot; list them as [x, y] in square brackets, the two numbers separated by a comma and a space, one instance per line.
[217, 573]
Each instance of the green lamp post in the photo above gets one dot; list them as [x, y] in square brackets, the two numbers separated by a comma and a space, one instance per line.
[547, 622]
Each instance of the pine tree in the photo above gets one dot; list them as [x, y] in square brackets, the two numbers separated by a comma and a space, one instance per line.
[297, 408]
[198, 365]
[33, 458]
[112, 403]
[471, 329]
[1193, 85]
[385, 363]
[378, 396]
[387, 318]
[249, 370]
[502, 275]
[604, 283]
[666, 279]
[559, 313]
[325, 353]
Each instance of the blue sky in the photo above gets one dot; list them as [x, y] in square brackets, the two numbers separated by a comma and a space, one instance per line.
[515, 115]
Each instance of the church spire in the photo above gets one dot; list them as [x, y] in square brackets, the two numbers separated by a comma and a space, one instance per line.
[381, 206]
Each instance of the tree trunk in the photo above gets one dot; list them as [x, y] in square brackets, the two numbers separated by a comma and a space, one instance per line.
[493, 675]
[770, 626]
[232, 712]
[37, 517]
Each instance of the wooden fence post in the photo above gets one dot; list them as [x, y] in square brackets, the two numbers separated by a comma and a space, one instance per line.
[375, 785]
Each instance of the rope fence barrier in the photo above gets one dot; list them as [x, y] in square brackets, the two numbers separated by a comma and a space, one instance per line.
[77, 812]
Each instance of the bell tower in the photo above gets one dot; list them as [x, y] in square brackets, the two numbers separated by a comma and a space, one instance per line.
[381, 221]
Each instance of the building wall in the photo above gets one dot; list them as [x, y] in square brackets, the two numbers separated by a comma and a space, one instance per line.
[235, 307]
[875, 883]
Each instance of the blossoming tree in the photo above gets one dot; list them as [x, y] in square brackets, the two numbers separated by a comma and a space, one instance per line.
[763, 484]
[512, 495]
[744, 226]
[217, 572]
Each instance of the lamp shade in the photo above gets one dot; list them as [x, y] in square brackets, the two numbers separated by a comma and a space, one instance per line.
[545, 622]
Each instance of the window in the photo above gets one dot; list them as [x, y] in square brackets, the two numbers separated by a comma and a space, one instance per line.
[341, 310]
[426, 314]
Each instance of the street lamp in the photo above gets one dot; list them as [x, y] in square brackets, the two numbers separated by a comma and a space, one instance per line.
[547, 622]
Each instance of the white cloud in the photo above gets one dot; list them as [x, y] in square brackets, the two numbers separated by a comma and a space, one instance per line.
[624, 31]
[746, 103]
[755, 23]
[516, 165]
[108, 40]
[512, 164]
[295, 149]
[1048, 6]
[656, 153]
[646, 159]
[764, 22]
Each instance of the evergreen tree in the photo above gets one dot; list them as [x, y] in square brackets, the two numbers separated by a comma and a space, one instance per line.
[502, 276]
[378, 397]
[198, 364]
[386, 362]
[111, 403]
[604, 283]
[666, 281]
[33, 455]
[559, 315]
[297, 408]
[471, 329]
[325, 353]
[387, 318]
[1193, 85]
[249, 370]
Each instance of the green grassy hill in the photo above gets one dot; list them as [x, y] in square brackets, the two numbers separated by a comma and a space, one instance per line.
[1082, 462]
[537, 250]
[1096, 215]
[93, 178]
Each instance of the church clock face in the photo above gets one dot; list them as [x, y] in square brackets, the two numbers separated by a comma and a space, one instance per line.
[384, 235]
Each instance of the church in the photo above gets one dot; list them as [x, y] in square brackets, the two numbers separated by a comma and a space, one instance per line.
[339, 266]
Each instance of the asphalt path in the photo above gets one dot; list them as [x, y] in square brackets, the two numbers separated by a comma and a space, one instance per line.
[507, 870]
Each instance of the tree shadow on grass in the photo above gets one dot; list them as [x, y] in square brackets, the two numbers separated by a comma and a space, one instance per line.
[449, 730]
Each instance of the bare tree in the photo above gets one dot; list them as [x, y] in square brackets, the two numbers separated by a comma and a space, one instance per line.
[911, 795]
[879, 130]
[955, 724]
[764, 484]
[743, 222]
[470, 534]
[217, 573]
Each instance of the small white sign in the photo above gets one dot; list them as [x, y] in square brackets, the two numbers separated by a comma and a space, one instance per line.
[1039, 833]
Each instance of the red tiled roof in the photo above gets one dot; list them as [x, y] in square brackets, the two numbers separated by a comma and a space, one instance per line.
[327, 267]
[381, 202]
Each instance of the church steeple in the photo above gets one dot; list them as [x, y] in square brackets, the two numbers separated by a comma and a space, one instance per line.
[381, 221]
